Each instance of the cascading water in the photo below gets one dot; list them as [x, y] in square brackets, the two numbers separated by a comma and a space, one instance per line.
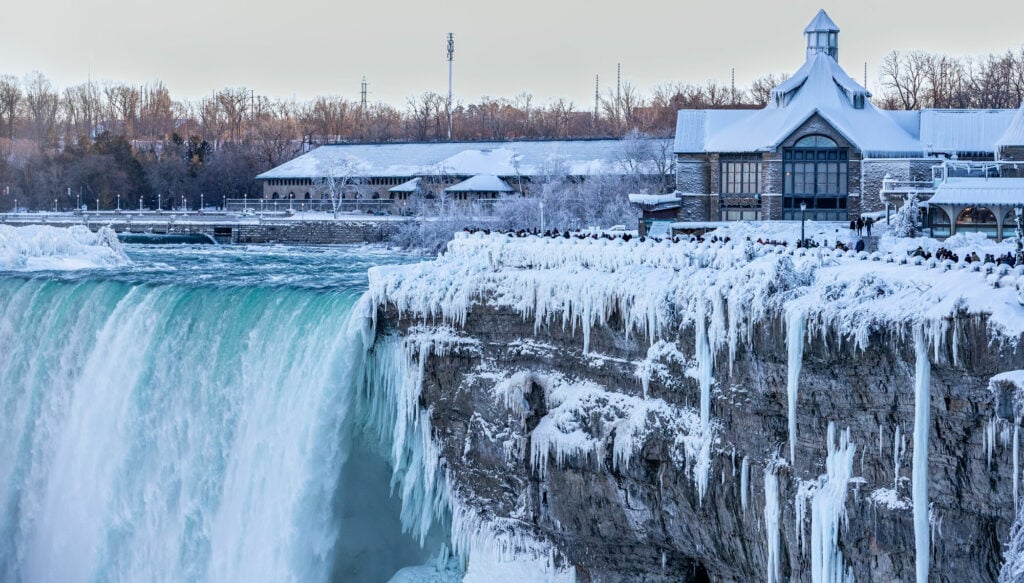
[157, 426]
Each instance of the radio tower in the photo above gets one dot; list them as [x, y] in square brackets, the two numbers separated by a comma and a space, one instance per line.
[448, 105]
[597, 96]
[362, 94]
[618, 83]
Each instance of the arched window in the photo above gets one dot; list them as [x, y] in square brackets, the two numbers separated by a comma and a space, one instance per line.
[276, 196]
[815, 174]
[816, 141]
[1010, 224]
[977, 219]
[308, 196]
[939, 222]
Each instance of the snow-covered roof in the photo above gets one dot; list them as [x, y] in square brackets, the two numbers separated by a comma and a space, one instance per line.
[980, 192]
[481, 183]
[821, 23]
[1014, 135]
[963, 130]
[412, 185]
[650, 199]
[534, 158]
[820, 87]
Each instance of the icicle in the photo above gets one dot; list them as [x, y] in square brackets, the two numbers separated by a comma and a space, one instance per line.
[1016, 457]
[744, 482]
[990, 444]
[796, 327]
[703, 465]
[896, 458]
[828, 509]
[880, 439]
[922, 423]
[771, 522]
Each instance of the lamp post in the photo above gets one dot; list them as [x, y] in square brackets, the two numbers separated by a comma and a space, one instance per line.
[245, 201]
[803, 210]
[202, 205]
[118, 203]
[542, 217]
[159, 200]
[140, 205]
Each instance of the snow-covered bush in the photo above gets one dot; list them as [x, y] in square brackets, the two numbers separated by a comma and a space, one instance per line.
[905, 222]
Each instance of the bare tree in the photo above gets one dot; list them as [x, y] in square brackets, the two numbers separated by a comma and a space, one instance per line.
[42, 105]
[10, 102]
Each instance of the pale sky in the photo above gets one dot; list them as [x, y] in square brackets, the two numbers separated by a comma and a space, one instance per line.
[551, 48]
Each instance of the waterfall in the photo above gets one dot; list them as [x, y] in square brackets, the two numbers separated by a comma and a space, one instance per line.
[173, 432]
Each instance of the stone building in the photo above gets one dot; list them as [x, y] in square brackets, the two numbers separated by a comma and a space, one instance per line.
[820, 144]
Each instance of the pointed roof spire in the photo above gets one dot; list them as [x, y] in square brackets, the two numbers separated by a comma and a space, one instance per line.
[821, 23]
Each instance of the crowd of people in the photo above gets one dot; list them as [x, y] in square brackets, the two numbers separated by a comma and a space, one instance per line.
[943, 254]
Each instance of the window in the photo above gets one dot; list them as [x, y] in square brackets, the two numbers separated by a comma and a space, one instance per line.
[977, 219]
[815, 141]
[938, 222]
[740, 177]
[816, 174]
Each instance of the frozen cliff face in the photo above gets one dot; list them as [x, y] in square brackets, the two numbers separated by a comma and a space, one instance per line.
[601, 407]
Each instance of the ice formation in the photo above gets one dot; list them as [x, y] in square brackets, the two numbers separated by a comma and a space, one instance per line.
[771, 522]
[44, 248]
[828, 510]
[661, 290]
[744, 482]
[795, 329]
[922, 424]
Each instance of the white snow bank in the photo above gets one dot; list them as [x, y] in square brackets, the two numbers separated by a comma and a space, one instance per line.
[44, 248]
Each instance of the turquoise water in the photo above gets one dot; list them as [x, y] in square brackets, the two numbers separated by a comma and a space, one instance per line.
[190, 418]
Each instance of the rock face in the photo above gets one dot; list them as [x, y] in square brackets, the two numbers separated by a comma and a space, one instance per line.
[599, 452]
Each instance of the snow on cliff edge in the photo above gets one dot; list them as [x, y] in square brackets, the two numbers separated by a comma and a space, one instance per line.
[655, 286]
[44, 248]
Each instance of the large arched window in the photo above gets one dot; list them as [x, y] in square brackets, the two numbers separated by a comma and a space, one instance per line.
[276, 196]
[977, 219]
[815, 173]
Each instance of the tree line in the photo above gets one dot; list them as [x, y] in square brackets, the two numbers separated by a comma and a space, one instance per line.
[90, 143]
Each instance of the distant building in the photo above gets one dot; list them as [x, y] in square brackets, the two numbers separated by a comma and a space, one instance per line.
[394, 174]
[821, 144]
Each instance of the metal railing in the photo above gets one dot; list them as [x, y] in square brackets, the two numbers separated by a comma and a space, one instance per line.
[295, 205]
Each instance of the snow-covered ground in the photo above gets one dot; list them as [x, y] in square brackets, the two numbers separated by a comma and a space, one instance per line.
[44, 248]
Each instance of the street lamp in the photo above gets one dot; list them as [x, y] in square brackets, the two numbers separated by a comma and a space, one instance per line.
[202, 205]
[140, 205]
[245, 201]
[542, 217]
[159, 201]
[118, 203]
[803, 210]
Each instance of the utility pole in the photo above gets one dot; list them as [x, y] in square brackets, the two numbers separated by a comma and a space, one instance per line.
[732, 87]
[597, 96]
[448, 106]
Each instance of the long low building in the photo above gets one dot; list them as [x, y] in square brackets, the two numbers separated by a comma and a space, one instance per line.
[464, 170]
[820, 145]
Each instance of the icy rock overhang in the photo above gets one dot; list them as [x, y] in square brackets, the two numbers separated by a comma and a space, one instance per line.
[45, 248]
[654, 287]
